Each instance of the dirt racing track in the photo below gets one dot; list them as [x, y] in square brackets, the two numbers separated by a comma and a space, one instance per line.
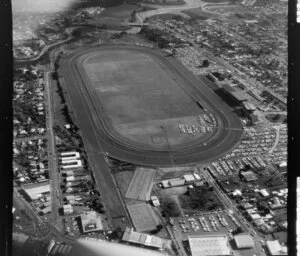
[128, 102]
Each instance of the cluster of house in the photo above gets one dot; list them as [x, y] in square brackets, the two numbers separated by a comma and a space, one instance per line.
[29, 94]
[35, 155]
[275, 200]
[39, 194]
[73, 175]
[25, 51]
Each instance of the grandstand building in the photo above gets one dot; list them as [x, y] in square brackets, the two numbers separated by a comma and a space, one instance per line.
[142, 239]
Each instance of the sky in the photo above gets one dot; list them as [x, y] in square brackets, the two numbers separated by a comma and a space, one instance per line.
[49, 6]
[103, 248]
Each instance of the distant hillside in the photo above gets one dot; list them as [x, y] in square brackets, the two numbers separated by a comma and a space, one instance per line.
[108, 3]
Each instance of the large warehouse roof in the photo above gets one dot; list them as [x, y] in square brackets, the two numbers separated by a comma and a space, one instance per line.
[244, 241]
[35, 190]
[249, 176]
[140, 238]
[209, 245]
[275, 248]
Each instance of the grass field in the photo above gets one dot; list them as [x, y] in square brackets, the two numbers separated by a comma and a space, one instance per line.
[123, 179]
[142, 216]
[141, 183]
[142, 99]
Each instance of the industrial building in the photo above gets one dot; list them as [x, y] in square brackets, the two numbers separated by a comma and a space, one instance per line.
[209, 245]
[37, 190]
[244, 241]
[185, 180]
[91, 221]
[249, 176]
[142, 239]
[189, 178]
[276, 249]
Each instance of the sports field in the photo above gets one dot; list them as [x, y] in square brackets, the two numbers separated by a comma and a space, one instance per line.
[141, 184]
[143, 100]
[142, 216]
[139, 106]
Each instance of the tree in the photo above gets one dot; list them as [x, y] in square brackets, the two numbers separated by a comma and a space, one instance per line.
[171, 208]
[238, 230]
[116, 234]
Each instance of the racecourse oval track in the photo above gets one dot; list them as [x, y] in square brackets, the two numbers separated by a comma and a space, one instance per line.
[91, 115]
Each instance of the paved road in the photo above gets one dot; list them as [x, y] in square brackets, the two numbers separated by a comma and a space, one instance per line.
[52, 158]
[230, 206]
[88, 107]
[114, 205]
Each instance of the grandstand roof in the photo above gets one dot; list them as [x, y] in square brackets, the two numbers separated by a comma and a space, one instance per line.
[244, 241]
[237, 94]
[209, 245]
[141, 238]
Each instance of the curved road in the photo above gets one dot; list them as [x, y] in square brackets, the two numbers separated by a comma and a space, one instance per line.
[89, 119]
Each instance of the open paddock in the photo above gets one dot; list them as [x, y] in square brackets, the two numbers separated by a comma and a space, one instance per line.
[142, 216]
[141, 184]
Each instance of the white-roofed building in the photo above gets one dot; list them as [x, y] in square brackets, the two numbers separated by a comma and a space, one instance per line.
[275, 248]
[143, 239]
[282, 164]
[209, 245]
[196, 175]
[71, 164]
[68, 209]
[264, 192]
[244, 241]
[70, 154]
[176, 182]
[237, 193]
[189, 178]
[155, 201]
[37, 190]
[165, 184]
[255, 216]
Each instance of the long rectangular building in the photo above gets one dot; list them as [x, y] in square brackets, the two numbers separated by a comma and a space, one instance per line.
[143, 239]
[215, 245]
[70, 154]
